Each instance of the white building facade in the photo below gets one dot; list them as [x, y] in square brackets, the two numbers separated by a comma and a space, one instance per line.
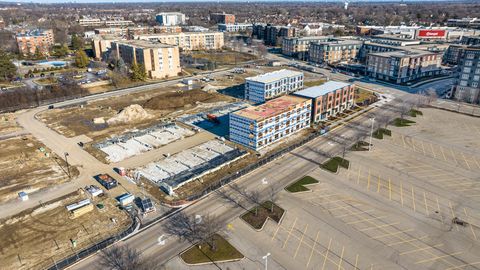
[259, 126]
[170, 18]
[273, 84]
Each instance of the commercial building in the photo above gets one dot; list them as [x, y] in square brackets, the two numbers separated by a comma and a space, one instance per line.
[334, 51]
[431, 34]
[273, 34]
[464, 22]
[235, 27]
[29, 42]
[403, 66]
[189, 40]
[159, 60]
[262, 125]
[329, 99]
[222, 18]
[298, 46]
[467, 83]
[170, 18]
[273, 84]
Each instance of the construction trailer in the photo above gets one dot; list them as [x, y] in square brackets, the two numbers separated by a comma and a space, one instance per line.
[106, 181]
[81, 211]
[125, 199]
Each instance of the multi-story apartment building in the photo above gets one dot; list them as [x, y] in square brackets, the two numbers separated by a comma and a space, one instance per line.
[235, 27]
[223, 17]
[470, 40]
[467, 83]
[101, 45]
[110, 31]
[329, 99]
[159, 60]
[189, 40]
[298, 46]
[452, 54]
[146, 30]
[333, 51]
[273, 84]
[29, 42]
[88, 22]
[170, 18]
[373, 47]
[403, 66]
[259, 126]
[273, 34]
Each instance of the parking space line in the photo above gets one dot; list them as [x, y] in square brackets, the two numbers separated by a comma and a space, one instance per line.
[276, 231]
[423, 148]
[363, 220]
[438, 209]
[341, 259]
[391, 234]
[326, 254]
[356, 262]
[438, 257]
[420, 249]
[313, 248]
[301, 240]
[358, 176]
[401, 192]
[380, 226]
[453, 154]
[425, 199]
[368, 182]
[443, 153]
[378, 184]
[476, 162]
[433, 152]
[413, 200]
[289, 233]
[404, 144]
[470, 223]
[355, 214]
[462, 266]
[466, 162]
[407, 241]
[390, 188]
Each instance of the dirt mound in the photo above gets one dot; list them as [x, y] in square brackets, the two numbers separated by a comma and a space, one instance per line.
[175, 100]
[129, 114]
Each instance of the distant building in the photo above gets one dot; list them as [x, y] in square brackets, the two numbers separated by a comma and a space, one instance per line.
[160, 60]
[298, 46]
[372, 47]
[467, 83]
[470, 40]
[101, 45]
[329, 99]
[111, 31]
[262, 125]
[273, 84]
[273, 34]
[170, 18]
[2, 23]
[194, 28]
[89, 22]
[236, 27]
[318, 29]
[223, 18]
[146, 30]
[189, 40]
[334, 51]
[29, 42]
[403, 66]
[464, 22]
[452, 54]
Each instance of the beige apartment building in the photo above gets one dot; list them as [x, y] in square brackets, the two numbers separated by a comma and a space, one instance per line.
[160, 60]
[101, 44]
[188, 41]
[29, 42]
[334, 51]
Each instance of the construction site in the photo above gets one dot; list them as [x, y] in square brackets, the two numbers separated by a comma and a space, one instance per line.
[26, 165]
[39, 237]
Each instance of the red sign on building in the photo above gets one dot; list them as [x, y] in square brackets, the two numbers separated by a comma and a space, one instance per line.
[429, 33]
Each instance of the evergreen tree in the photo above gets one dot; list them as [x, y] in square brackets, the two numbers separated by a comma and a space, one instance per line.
[81, 59]
[77, 42]
[138, 72]
[7, 69]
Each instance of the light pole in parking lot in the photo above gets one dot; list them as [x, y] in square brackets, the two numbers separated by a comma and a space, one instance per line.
[266, 260]
[371, 133]
[68, 165]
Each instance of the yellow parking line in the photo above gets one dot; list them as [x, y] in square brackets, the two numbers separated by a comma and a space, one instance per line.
[401, 192]
[407, 241]
[313, 248]
[289, 233]
[462, 266]
[390, 188]
[326, 253]
[423, 148]
[426, 206]
[433, 152]
[276, 231]
[381, 226]
[420, 249]
[444, 158]
[438, 208]
[476, 162]
[301, 240]
[355, 214]
[453, 154]
[466, 162]
[368, 182]
[358, 176]
[378, 184]
[471, 226]
[413, 200]
[438, 257]
[404, 143]
[363, 220]
[341, 259]
[392, 234]
[413, 145]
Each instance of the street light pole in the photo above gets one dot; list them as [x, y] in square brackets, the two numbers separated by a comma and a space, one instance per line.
[371, 134]
[68, 165]
[266, 260]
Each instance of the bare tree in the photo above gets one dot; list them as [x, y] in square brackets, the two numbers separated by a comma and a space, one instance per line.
[404, 108]
[185, 227]
[126, 258]
[272, 197]
[254, 197]
[383, 120]
[208, 227]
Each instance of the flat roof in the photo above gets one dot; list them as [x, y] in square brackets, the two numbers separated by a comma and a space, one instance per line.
[145, 44]
[403, 53]
[274, 76]
[271, 108]
[320, 90]
[340, 42]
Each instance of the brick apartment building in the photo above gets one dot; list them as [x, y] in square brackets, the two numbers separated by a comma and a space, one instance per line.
[29, 42]
[223, 17]
[160, 60]
[329, 99]
[333, 52]
[403, 66]
[273, 34]
[298, 46]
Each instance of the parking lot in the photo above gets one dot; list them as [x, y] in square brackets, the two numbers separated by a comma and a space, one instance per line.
[410, 203]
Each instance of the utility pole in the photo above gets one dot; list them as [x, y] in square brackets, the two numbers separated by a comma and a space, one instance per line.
[68, 165]
[371, 133]
[266, 260]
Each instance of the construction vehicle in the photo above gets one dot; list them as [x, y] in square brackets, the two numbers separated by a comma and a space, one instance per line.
[213, 118]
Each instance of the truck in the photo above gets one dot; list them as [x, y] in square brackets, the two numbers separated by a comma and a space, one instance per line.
[106, 181]
[213, 118]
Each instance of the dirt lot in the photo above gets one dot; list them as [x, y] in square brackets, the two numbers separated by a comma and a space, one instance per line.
[224, 58]
[34, 239]
[8, 123]
[24, 167]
